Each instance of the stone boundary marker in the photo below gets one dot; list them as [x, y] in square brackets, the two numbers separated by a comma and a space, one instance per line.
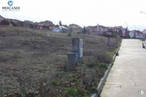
[102, 81]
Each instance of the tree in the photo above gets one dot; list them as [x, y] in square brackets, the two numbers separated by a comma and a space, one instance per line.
[120, 32]
[127, 33]
[31, 26]
[56, 25]
[5, 22]
[60, 23]
[21, 24]
[14, 24]
[84, 31]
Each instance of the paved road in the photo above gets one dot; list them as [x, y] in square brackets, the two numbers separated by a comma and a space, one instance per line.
[128, 75]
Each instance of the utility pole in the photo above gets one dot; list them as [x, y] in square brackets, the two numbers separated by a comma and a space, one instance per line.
[126, 30]
[145, 14]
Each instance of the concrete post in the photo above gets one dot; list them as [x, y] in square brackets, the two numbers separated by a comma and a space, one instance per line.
[77, 51]
[72, 58]
[77, 47]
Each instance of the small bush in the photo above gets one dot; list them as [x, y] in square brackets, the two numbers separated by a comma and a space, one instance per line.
[103, 65]
[89, 64]
[72, 91]
[82, 93]
[31, 25]
[75, 80]
[75, 92]
[93, 90]
[55, 82]
[69, 34]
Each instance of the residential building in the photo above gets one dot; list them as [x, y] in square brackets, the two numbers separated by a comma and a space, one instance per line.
[74, 26]
[76, 30]
[1, 18]
[102, 29]
[144, 32]
[115, 29]
[136, 34]
[44, 25]
[47, 23]
[92, 29]
[38, 26]
[61, 29]
[13, 20]
[28, 22]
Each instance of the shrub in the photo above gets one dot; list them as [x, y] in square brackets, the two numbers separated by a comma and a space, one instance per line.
[82, 92]
[71, 91]
[4, 22]
[75, 80]
[103, 65]
[31, 25]
[89, 63]
[55, 82]
[93, 90]
[75, 92]
[69, 34]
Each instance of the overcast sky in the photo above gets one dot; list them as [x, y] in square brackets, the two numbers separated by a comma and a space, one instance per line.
[82, 12]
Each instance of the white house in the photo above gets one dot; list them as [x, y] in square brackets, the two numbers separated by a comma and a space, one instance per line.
[57, 29]
[131, 34]
[144, 31]
[139, 35]
[136, 34]
[60, 29]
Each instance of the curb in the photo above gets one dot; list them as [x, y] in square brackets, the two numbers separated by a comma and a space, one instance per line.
[102, 81]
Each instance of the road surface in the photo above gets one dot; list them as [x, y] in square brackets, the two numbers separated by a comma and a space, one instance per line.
[127, 77]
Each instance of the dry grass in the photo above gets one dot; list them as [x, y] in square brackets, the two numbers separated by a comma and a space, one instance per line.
[31, 60]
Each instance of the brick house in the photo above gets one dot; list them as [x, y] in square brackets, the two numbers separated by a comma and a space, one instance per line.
[47, 23]
[116, 28]
[102, 29]
[92, 29]
[99, 29]
[43, 24]
[75, 28]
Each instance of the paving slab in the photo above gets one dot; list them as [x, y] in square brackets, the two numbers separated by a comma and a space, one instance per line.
[127, 77]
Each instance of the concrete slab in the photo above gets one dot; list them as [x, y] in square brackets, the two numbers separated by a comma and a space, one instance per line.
[127, 77]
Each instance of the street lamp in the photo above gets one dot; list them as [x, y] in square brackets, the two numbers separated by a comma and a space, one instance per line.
[143, 12]
[126, 24]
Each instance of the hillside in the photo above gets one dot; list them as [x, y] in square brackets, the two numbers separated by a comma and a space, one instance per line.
[33, 62]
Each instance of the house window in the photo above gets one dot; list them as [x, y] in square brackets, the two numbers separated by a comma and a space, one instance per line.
[101, 29]
[97, 29]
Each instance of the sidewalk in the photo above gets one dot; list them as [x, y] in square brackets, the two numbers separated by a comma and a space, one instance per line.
[127, 77]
